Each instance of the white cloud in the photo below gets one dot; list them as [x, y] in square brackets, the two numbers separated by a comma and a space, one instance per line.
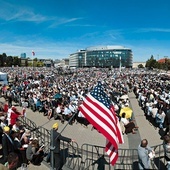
[81, 25]
[153, 30]
[60, 21]
[14, 12]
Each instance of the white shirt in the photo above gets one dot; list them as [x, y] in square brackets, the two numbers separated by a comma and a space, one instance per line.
[67, 111]
[72, 108]
[58, 109]
[80, 114]
[9, 115]
[124, 121]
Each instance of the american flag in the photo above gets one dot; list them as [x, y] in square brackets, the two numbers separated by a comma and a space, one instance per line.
[33, 53]
[99, 111]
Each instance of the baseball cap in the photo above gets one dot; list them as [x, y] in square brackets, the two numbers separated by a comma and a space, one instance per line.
[55, 126]
[6, 129]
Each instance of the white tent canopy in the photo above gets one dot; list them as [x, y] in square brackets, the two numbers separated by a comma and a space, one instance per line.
[3, 78]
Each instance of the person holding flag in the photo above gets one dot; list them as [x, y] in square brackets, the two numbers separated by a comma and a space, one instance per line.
[99, 111]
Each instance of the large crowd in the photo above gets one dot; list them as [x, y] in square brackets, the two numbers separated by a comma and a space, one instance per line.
[59, 93]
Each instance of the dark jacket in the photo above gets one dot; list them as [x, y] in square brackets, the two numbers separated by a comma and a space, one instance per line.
[7, 145]
[56, 138]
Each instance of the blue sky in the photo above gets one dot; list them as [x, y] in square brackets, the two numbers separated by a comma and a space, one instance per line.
[56, 28]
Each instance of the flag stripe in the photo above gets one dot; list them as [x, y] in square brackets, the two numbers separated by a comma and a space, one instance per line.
[94, 107]
[98, 124]
[102, 125]
[102, 108]
[113, 154]
[99, 111]
[104, 115]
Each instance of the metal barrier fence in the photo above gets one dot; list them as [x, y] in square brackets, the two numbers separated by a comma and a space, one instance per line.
[92, 157]
[29, 124]
[71, 155]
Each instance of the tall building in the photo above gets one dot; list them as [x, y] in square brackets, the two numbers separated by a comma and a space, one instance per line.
[102, 56]
[23, 55]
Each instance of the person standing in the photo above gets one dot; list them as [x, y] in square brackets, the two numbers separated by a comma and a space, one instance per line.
[7, 143]
[9, 97]
[55, 139]
[143, 155]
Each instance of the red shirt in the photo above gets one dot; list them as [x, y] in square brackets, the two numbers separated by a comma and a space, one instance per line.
[14, 116]
[5, 107]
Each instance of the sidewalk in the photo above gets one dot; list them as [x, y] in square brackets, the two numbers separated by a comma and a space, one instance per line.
[146, 130]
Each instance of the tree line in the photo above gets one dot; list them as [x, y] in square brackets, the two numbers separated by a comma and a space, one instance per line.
[9, 61]
[154, 64]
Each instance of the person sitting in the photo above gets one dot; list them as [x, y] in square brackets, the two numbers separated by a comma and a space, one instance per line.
[160, 117]
[34, 153]
[50, 113]
[58, 112]
[67, 113]
[82, 120]
[130, 126]
[25, 138]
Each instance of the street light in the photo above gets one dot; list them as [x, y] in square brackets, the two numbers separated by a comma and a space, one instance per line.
[33, 54]
[120, 64]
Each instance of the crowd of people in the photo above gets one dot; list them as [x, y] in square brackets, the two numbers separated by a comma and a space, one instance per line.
[59, 93]
[15, 138]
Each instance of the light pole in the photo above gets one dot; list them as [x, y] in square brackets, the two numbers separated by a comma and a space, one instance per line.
[33, 54]
[120, 64]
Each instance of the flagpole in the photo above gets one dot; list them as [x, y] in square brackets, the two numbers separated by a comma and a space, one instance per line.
[120, 64]
[33, 54]
[32, 60]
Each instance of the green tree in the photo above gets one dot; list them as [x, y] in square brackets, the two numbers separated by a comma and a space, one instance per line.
[9, 61]
[40, 64]
[16, 61]
[151, 63]
[26, 63]
[140, 66]
[167, 64]
[4, 57]
[1, 60]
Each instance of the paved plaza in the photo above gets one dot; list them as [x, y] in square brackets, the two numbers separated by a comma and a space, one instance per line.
[84, 135]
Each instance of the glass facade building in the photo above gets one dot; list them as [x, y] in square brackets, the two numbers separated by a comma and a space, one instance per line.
[102, 56]
[23, 55]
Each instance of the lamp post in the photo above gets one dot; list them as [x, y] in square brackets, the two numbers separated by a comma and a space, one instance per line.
[120, 64]
[33, 54]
